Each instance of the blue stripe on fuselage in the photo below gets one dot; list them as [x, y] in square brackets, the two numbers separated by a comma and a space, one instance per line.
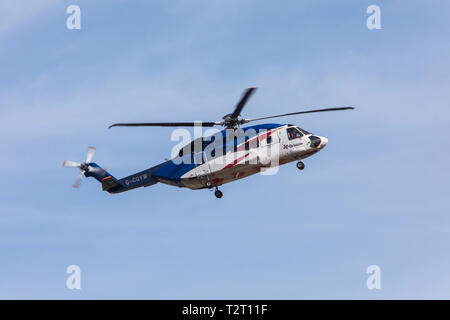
[172, 171]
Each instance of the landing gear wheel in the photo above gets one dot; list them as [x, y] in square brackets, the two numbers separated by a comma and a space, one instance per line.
[300, 165]
[218, 193]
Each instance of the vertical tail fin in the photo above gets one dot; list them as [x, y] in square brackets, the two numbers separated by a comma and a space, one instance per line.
[109, 183]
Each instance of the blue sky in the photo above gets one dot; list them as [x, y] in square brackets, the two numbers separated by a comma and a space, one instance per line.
[377, 194]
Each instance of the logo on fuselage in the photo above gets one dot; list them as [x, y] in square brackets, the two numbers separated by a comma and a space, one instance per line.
[286, 146]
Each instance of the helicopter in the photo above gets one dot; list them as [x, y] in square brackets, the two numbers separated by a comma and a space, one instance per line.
[209, 162]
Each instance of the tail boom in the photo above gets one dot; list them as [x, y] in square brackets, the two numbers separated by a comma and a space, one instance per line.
[112, 185]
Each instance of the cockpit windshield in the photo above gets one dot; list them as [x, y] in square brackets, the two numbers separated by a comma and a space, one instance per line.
[303, 131]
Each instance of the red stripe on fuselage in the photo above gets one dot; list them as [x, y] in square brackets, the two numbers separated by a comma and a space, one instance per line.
[235, 162]
[241, 147]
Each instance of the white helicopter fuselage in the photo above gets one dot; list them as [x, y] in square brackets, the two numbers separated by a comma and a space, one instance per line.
[287, 143]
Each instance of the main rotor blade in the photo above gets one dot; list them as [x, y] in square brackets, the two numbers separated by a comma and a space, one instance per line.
[166, 124]
[90, 154]
[247, 94]
[78, 181]
[301, 112]
[68, 163]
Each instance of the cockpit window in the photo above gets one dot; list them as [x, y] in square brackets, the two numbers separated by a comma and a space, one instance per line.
[294, 133]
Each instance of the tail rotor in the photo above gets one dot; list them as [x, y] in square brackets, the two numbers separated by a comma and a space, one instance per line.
[84, 167]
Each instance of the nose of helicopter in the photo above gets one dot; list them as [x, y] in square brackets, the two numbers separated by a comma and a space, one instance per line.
[323, 142]
[318, 142]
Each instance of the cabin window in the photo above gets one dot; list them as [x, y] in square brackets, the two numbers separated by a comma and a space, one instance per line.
[293, 133]
[247, 146]
[253, 144]
[180, 153]
[235, 144]
[269, 139]
[205, 143]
